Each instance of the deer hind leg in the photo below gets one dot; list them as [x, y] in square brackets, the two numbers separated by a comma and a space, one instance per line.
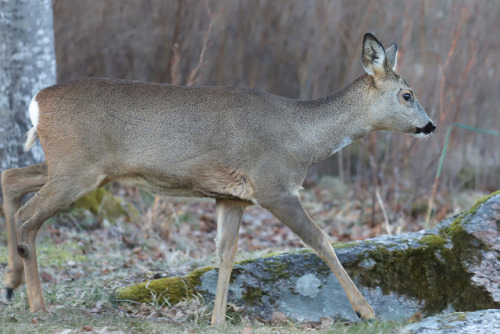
[289, 210]
[229, 213]
[55, 195]
[16, 183]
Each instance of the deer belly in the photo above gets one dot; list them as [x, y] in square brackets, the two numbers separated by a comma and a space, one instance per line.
[215, 183]
[163, 187]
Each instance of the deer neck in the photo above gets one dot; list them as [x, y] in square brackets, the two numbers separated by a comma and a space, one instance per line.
[332, 122]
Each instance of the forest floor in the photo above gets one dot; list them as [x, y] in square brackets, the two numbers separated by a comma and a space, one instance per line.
[84, 257]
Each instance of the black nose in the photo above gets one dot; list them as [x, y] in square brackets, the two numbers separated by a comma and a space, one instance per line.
[427, 129]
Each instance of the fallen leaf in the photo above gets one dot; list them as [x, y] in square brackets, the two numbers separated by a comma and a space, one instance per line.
[306, 327]
[326, 322]
[45, 276]
[415, 317]
[247, 330]
[278, 317]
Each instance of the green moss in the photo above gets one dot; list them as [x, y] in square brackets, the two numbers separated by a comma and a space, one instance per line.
[271, 264]
[253, 295]
[172, 289]
[335, 245]
[302, 251]
[464, 244]
[339, 245]
[433, 242]
[420, 273]
[462, 241]
[473, 209]
[460, 316]
[263, 256]
[277, 269]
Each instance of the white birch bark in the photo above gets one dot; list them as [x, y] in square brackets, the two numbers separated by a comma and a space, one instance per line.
[27, 64]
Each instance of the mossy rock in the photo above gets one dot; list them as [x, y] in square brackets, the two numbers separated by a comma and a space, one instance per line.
[440, 271]
[106, 206]
[433, 271]
[170, 289]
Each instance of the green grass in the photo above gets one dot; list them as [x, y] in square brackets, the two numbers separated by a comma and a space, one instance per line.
[80, 322]
[16, 319]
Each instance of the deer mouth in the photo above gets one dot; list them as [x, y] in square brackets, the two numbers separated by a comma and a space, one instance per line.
[426, 130]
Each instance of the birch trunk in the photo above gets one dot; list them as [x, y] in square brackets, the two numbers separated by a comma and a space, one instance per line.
[27, 64]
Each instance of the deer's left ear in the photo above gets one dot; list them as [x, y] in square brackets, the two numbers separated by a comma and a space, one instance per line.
[373, 56]
[391, 53]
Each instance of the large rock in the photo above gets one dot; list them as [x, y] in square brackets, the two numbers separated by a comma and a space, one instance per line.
[452, 267]
[478, 322]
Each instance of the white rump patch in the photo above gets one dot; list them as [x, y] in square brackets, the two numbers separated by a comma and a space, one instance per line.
[34, 112]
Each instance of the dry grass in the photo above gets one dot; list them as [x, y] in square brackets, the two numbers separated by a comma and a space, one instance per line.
[81, 266]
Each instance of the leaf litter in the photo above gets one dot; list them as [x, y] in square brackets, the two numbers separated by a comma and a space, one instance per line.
[83, 258]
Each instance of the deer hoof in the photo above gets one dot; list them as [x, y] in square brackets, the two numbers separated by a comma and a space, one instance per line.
[369, 316]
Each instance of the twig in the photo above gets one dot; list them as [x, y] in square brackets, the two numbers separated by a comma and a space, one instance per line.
[386, 218]
[195, 75]
[174, 65]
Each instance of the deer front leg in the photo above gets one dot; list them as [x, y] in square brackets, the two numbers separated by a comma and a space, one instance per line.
[229, 213]
[289, 210]
[15, 184]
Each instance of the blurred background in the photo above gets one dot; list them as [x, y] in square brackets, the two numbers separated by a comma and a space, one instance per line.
[304, 49]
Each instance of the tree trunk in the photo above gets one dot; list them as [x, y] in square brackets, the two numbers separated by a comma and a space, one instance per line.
[27, 64]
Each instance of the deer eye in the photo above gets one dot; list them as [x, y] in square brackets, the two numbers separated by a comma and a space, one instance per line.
[407, 97]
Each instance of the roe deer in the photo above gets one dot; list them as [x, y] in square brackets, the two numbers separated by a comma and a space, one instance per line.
[239, 146]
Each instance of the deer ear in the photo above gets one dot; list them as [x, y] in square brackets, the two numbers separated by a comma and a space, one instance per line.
[392, 56]
[373, 56]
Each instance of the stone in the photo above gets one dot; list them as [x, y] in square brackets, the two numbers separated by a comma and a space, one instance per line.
[478, 322]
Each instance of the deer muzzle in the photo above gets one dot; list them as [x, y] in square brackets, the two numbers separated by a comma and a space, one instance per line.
[427, 129]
